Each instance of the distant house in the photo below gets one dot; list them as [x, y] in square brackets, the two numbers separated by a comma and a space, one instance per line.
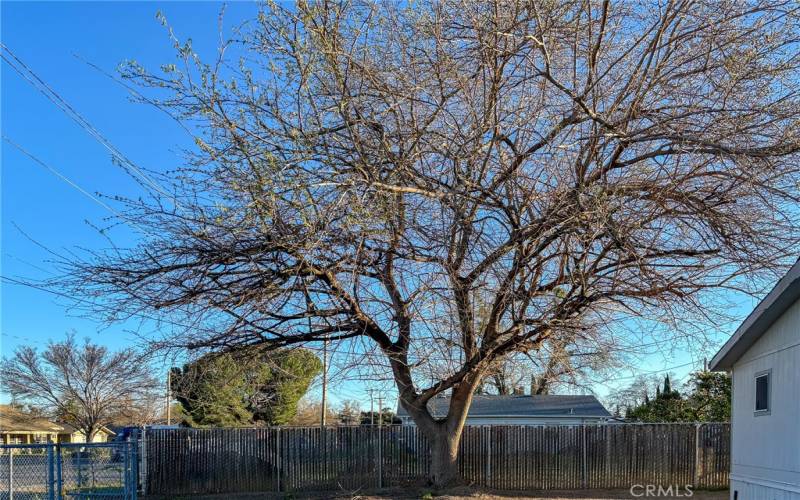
[522, 410]
[763, 356]
[70, 434]
[20, 427]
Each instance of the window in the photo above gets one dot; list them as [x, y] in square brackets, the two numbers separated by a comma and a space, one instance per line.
[762, 392]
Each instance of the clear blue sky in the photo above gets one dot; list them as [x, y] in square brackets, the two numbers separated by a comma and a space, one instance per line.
[55, 40]
[40, 208]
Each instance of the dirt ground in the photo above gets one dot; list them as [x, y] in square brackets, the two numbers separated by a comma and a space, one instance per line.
[472, 494]
[466, 493]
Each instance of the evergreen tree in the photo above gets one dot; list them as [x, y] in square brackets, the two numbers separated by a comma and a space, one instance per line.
[708, 400]
[285, 379]
[245, 388]
[212, 392]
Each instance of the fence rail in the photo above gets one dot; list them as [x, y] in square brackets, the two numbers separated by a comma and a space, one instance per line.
[188, 461]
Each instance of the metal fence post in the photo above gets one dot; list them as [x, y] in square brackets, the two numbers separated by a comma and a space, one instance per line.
[126, 467]
[380, 455]
[131, 476]
[278, 456]
[607, 429]
[143, 458]
[697, 455]
[635, 449]
[59, 467]
[11, 474]
[51, 476]
[584, 475]
[487, 432]
[133, 450]
[78, 459]
[135, 468]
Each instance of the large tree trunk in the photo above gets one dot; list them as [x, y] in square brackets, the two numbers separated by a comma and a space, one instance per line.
[444, 459]
[89, 429]
[444, 436]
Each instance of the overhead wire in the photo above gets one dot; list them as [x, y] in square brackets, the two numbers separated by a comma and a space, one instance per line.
[61, 176]
[76, 186]
[39, 84]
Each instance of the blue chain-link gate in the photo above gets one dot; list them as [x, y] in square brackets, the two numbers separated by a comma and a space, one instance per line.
[75, 471]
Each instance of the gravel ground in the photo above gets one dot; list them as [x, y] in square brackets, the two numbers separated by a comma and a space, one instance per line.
[465, 493]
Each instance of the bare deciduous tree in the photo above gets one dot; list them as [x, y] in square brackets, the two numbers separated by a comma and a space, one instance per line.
[562, 362]
[371, 173]
[84, 384]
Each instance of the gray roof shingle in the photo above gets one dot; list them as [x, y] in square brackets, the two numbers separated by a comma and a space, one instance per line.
[521, 406]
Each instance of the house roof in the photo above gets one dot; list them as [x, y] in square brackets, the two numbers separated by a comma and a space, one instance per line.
[780, 298]
[71, 429]
[15, 420]
[521, 406]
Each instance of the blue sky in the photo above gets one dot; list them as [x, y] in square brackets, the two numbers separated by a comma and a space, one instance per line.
[56, 40]
[41, 210]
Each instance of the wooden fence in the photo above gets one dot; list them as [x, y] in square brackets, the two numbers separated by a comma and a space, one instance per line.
[189, 461]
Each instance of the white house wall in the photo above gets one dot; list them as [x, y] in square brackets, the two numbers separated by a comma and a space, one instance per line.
[766, 448]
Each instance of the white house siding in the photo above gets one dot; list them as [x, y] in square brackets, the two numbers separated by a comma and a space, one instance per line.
[766, 448]
[760, 490]
[80, 437]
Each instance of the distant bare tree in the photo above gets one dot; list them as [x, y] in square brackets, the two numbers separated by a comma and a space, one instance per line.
[636, 393]
[349, 413]
[84, 384]
[309, 412]
[142, 409]
[561, 363]
[370, 172]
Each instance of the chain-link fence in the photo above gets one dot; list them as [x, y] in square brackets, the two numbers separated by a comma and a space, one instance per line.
[25, 471]
[76, 471]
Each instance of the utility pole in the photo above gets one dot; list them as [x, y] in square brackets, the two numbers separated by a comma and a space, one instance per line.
[169, 396]
[371, 409]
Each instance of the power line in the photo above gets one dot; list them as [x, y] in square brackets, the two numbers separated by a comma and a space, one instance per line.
[74, 185]
[61, 176]
[39, 84]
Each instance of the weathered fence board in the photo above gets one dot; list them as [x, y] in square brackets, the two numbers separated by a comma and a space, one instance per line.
[187, 461]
